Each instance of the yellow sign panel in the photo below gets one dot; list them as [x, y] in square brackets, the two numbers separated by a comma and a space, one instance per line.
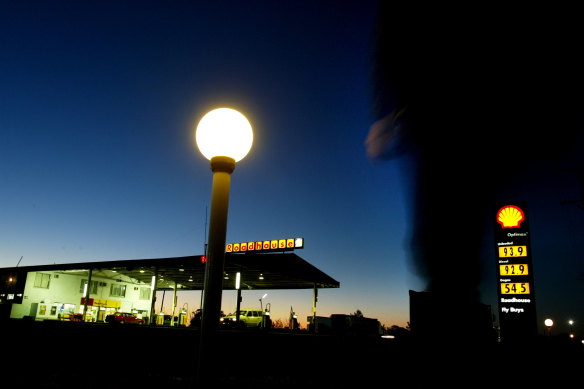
[272, 245]
[512, 251]
[517, 269]
[515, 288]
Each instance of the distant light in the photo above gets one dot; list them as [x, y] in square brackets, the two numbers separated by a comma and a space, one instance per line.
[261, 277]
[387, 337]
[548, 322]
[141, 271]
[224, 132]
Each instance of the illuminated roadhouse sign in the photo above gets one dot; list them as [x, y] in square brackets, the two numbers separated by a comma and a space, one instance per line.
[265, 245]
[514, 273]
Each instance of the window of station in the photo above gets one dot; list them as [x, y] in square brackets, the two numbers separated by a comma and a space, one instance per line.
[144, 293]
[118, 290]
[42, 280]
[92, 288]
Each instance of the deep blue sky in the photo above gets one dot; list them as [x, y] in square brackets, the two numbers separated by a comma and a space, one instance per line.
[98, 105]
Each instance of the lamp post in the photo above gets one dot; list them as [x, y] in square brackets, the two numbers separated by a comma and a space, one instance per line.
[224, 136]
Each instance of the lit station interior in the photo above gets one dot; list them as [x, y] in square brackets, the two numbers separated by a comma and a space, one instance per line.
[58, 291]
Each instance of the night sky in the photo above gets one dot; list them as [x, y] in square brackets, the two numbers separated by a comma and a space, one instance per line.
[98, 106]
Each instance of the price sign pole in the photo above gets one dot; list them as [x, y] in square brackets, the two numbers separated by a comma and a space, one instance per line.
[517, 319]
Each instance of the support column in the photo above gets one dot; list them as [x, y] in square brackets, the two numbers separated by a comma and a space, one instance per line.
[87, 291]
[314, 300]
[153, 297]
[173, 306]
[238, 303]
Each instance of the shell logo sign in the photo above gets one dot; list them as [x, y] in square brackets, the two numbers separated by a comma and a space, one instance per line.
[510, 216]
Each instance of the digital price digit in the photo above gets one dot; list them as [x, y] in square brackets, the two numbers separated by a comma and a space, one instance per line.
[515, 288]
[513, 270]
[512, 251]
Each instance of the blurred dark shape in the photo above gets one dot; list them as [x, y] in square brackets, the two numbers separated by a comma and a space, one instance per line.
[471, 95]
[196, 318]
[431, 321]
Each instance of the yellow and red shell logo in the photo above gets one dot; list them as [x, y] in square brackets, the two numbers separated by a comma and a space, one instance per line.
[510, 216]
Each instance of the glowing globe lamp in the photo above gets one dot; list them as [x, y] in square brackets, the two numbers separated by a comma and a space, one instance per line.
[224, 132]
[548, 322]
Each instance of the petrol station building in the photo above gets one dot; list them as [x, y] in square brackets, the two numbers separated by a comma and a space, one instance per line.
[91, 291]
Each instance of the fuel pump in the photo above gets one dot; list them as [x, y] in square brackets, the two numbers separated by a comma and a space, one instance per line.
[182, 318]
[266, 319]
[293, 321]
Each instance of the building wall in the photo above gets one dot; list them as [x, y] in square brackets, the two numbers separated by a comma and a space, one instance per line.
[66, 288]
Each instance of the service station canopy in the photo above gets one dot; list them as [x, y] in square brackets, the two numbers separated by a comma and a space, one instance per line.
[258, 271]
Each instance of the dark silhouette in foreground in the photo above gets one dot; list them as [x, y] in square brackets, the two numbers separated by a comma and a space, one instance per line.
[470, 98]
[163, 356]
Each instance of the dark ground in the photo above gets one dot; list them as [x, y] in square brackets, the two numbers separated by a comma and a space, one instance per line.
[79, 355]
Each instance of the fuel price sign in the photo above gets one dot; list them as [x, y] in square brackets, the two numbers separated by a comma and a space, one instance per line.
[514, 273]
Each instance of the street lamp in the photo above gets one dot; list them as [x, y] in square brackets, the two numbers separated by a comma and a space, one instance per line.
[549, 323]
[261, 299]
[224, 136]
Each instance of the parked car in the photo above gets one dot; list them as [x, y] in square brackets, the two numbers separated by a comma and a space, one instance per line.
[124, 318]
[248, 317]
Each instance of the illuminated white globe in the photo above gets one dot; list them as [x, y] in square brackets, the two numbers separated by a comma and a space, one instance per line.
[224, 132]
